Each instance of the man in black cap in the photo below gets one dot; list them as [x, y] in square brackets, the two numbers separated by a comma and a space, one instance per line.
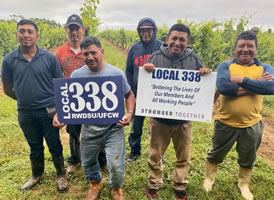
[138, 53]
[71, 58]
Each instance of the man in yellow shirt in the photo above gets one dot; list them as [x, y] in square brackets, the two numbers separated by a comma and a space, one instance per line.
[241, 83]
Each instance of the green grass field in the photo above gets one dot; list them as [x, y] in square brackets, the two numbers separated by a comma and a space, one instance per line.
[15, 166]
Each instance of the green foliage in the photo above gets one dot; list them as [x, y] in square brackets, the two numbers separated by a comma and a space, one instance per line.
[213, 41]
[162, 33]
[266, 47]
[121, 38]
[50, 23]
[7, 37]
[88, 15]
[51, 37]
[51, 33]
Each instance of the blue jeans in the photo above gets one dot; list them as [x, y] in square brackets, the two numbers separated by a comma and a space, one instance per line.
[36, 125]
[113, 142]
[136, 132]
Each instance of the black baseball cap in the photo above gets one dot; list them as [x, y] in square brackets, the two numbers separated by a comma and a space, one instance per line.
[74, 19]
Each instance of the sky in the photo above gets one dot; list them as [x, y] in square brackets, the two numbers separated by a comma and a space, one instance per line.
[126, 13]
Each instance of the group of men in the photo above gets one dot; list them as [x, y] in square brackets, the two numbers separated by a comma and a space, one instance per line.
[28, 73]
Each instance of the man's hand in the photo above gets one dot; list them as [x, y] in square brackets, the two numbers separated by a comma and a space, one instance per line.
[149, 67]
[126, 119]
[265, 77]
[56, 123]
[203, 71]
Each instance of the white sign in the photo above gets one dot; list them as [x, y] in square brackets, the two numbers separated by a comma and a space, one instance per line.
[175, 94]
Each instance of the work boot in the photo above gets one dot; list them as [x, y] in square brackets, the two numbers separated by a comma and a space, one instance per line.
[94, 189]
[72, 168]
[243, 181]
[210, 173]
[37, 167]
[62, 184]
[117, 194]
[133, 156]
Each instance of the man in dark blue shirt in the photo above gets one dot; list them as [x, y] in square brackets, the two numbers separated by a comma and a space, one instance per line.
[27, 76]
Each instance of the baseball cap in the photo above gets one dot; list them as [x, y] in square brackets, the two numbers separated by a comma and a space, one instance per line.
[74, 19]
[146, 24]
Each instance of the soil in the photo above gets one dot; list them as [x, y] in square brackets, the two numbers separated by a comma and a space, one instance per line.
[266, 149]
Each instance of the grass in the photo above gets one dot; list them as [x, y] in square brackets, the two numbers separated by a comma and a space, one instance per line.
[15, 167]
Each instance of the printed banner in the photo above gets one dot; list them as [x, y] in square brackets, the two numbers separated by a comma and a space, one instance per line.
[89, 100]
[175, 94]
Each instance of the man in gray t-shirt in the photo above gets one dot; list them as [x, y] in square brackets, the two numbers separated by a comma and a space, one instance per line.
[108, 137]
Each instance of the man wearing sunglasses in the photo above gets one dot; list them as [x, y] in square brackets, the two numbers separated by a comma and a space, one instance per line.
[138, 53]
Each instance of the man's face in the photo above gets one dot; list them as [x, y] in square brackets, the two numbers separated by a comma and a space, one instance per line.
[75, 33]
[26, 35]
[94, 57]
[245, 51]
[146, 33]
[177, 42]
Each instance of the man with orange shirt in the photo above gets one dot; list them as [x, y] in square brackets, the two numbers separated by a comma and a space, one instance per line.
[71, 58]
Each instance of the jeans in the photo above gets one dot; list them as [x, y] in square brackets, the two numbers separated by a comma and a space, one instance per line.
[136, 132]
[74, 131]
[113, 142]
[36, 125]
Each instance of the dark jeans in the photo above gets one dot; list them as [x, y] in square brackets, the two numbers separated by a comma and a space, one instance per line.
[36, 125]
[136, 132]
[74, 131]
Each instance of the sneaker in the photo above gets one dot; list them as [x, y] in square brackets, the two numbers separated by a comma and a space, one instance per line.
[151, 193]
[62, 184]
[180, 194]
[31, 183]
[94, 190]
[133, 156]
[72, 168]
[117, 194]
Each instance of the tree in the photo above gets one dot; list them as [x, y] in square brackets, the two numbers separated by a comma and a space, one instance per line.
[88, 14]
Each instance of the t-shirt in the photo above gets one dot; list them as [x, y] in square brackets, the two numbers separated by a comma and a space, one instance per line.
[69, 60]
[91, 130]
[32, 81]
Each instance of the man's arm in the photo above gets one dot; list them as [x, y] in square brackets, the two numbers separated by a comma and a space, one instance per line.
[8, 90]
[224, 84]
[130, 104]
[263, 85]
[129, 68]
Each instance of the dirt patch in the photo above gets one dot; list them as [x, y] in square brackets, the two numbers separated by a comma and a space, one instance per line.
[266, 149]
